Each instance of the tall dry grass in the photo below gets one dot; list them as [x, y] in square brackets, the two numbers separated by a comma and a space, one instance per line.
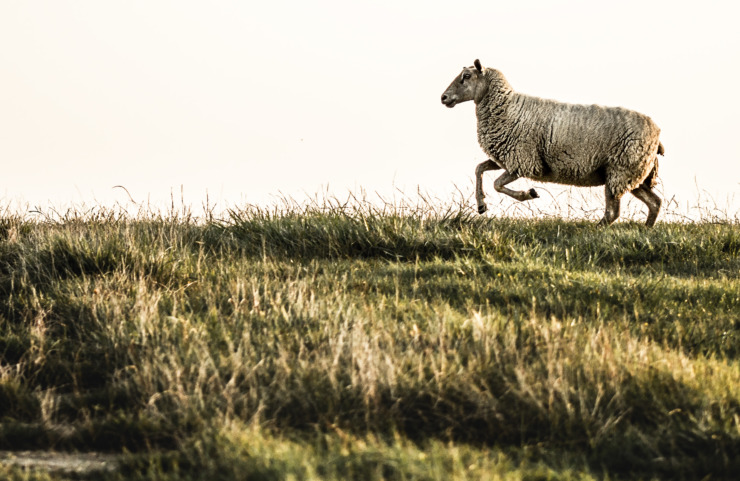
[346, 334]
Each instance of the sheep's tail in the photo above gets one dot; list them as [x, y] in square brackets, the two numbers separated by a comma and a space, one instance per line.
[652, 178]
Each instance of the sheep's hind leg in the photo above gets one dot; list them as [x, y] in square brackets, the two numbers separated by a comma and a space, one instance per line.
[479, 196]
[612, 207]
[651, 199]
[506, 178]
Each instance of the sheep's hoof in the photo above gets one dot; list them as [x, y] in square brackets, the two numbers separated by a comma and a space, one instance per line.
[533, 194]
[482, 208]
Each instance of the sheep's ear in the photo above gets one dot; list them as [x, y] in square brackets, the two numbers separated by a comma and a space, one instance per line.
[477, 65]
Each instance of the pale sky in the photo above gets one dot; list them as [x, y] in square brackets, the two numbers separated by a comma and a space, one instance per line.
[245, 100]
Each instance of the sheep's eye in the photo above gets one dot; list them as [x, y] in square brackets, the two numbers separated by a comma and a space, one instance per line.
[466, 76]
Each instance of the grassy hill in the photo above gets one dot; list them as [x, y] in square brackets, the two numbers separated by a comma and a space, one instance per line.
[366, 343]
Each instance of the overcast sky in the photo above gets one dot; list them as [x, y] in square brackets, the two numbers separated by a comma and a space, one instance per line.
[245, 100]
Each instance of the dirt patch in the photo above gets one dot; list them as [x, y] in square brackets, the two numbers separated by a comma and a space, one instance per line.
[60, 463]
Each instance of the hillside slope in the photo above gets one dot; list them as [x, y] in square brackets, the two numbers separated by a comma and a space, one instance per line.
[335, 343]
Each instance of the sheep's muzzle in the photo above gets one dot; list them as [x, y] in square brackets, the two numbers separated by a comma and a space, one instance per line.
[449, 100]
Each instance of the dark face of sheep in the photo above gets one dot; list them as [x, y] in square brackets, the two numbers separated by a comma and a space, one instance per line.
[469, 85]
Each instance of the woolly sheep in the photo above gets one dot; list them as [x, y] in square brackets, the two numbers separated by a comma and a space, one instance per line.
[545, 140]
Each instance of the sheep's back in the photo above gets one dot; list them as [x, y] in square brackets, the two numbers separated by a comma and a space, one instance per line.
[584, 144]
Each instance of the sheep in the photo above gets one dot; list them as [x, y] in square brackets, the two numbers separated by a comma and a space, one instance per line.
[545, 140]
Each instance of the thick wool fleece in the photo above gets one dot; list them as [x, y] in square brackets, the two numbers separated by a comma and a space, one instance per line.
[569, 144]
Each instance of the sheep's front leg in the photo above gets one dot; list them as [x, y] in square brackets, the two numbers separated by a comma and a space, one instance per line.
[479, 196]
[506, 178]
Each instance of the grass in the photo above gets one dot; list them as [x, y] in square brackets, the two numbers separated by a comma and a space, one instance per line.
[356, 342]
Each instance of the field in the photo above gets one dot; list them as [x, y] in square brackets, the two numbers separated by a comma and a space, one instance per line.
[361, 342]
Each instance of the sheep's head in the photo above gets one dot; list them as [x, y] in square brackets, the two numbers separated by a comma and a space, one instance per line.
[469, 85]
